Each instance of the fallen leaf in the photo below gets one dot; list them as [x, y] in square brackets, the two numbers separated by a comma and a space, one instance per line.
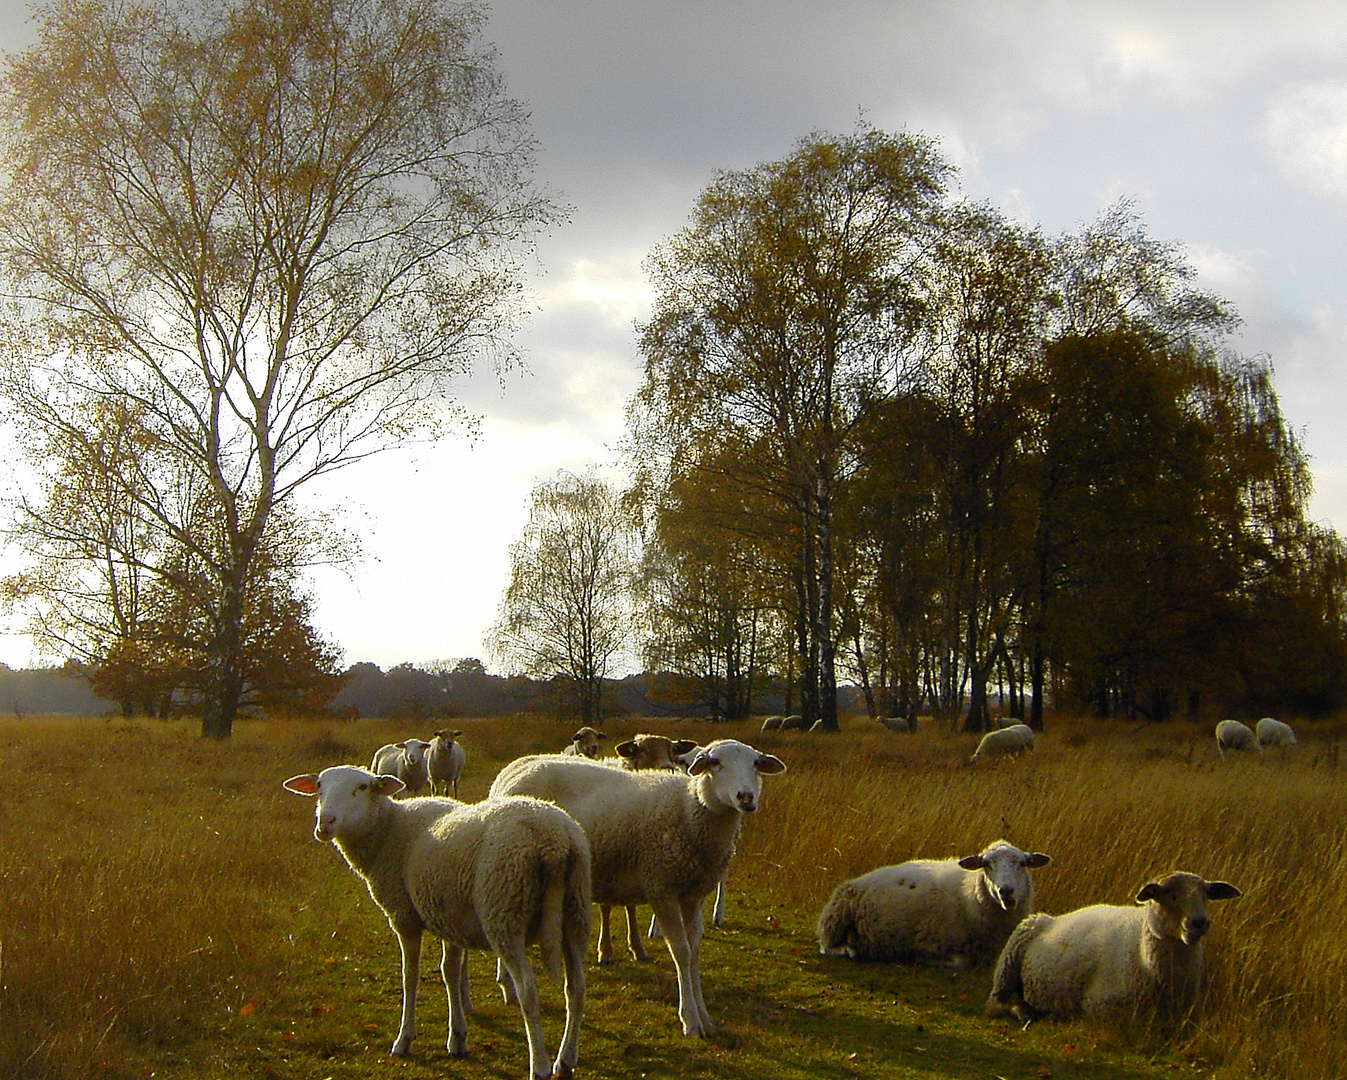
[248, 1008]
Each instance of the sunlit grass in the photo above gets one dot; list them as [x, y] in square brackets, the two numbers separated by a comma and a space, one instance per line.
[164, 909]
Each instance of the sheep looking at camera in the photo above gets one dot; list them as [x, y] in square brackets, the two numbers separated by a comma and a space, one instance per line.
[1107, 958]
[405, 760]
[584, 743]
[492, 875]
[444, 762]
[953, 912]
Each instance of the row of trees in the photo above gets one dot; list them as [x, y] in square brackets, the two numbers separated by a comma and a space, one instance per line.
[896, 438]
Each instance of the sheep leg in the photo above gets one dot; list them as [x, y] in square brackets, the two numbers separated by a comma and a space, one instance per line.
[718, 910]
[605, 939]
[410, 943]
[692, 923]
[526, 987]
[654, 931]
[634, 936]
[573, 956]
[506, 983]
[455, 971]
[670, 914]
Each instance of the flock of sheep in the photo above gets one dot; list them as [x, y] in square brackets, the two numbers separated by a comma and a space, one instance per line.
[657, 825]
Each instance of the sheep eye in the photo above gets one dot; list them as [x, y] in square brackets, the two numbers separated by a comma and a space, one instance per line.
[361, 787]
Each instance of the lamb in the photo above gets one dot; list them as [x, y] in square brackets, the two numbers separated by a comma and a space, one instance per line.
[1232, 735]
[585, 743]
[444, 762]
[954, 912]
[405, 760]
[662, 839]
[1270, 732]
[1107, 958]
[1003, 741]
[494, 875]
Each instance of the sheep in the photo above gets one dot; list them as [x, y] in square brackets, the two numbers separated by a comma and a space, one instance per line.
[493, 875]
[1003, 741]
[1232, 735]
[793, 723]
[1106, 958]
[897, 723]
[405, 760]
[954, 912]
[772, 723]
[662, 839]
[1270, 732]
[444, 762]
[584, 743]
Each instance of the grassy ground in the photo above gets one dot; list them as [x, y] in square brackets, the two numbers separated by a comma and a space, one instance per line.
[165, 912]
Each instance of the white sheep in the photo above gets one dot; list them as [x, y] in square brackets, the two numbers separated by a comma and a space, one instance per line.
[656, 838]
[444, 762]
[793, 723]
[772, 723]
[1106, 958]
[897, 723]
[1270, 732]
[585, 743]
[405, 760]
[1003, 741]
[953, 912]
[1232, 735]
[493, 875]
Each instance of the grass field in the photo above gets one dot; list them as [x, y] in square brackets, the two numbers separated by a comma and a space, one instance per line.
[165, 912]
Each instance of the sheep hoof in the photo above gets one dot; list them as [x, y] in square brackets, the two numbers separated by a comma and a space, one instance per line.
[562, 1072]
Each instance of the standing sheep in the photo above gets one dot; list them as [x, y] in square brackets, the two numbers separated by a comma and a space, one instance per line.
[494, 875]
[1104, 958]
[1270, 732]
[1004, 741]
[954, 912]
[406, 761]
[793, 723]
[585, 743]
[1232, 735]
[662, 839]
[897, 723]
[772, 723]
[444, 762]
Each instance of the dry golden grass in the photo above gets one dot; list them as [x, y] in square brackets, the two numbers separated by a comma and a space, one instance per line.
[164, 910]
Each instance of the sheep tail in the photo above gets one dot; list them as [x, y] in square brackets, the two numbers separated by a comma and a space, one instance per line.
[837, 922]
[565, 914]
[1007, 994]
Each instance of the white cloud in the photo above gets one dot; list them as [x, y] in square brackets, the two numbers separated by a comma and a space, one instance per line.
[1306, 130]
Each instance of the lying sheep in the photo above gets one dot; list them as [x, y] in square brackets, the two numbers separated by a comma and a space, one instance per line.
[444, 762]
[406, 761]
[1232, 735]
[584, 743]
[494, 875]
[1270, 732]
[1012, 740]
[953, 912]
[1106, 958]
[662, 839]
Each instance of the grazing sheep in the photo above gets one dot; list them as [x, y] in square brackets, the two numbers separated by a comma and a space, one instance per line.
[1000, 722]
[406, 761]
[494, 875]
[1012, 740]
[1104, 958]
[444, 762]
[772, 723]
[953, 912]
[897, 723]
[793, 723]
[585, 743]
[1232, 735]
[656, 838]
[1270, 732]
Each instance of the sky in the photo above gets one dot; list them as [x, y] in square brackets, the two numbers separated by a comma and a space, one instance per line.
[1225, 123]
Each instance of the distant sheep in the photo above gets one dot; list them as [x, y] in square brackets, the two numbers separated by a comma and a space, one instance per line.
[1012, 740]
[585, 743]
[1270, 732]
[772, 723]
[444, 762]
[793, 723]
[662, 839]
[405, 760]
[1107, 958]
[1232, 735]
[897, 723]
[953, 912]
[494, 875]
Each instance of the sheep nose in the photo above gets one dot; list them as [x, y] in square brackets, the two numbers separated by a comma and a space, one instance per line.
[747, 801]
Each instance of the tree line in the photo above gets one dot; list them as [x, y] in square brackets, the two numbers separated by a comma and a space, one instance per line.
[893, 437]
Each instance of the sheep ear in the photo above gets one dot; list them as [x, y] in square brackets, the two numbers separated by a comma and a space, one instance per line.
[1221, 890]
[683, 746]
[1152, 890]
[973, 862]
[600, 735]
[701, 762]
[302, 785]
[457, 734]
[1037, 859]
[386, 785]
[769, 765]
[401, 745]
[626, 749]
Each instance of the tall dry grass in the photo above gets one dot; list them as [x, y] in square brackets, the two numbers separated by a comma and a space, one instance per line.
[153, 886]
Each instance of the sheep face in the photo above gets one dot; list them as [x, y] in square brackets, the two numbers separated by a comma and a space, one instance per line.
[1005, 873]
[1177, 905]
[733, 772]
[585, 742]
[654, 752]
[444, 738]
[413, 751]
[346, 799]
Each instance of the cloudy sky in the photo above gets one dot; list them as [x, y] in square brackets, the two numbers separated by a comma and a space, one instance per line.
[1224, 122]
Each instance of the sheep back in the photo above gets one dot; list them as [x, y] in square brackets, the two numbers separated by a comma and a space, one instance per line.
[1270, 732]
[1003, 741]
[1232, 735]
